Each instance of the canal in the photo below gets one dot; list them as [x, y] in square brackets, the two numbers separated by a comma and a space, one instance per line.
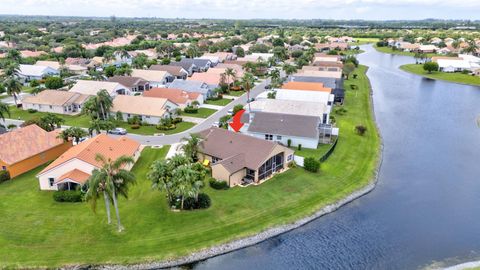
[426, 208]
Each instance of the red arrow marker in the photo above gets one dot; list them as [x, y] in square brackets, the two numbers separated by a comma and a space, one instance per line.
[237, 124]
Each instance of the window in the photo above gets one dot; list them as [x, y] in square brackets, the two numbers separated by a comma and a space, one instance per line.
[215, 160]
[4, 168]
[147, 116]
[51, 181]
[279, 137]
[268, 137]
[289, 158]
[324, 118]
[51, 106]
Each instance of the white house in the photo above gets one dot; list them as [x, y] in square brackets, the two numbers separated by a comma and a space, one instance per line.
[156, 78]
[33, 72]
[91, 88]
[148, 109]
[54, 101]
[72, 169]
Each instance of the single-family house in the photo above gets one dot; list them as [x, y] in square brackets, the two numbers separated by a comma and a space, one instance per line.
[192, 86]
[176, 72]
[27, 53]
[327, 66]
[91, 88]
[213, 79]
[222, 56]
[55, 101]
[156, 78]
[426, 48]
[319, 73]
[294, 107]
[334, 83]
[120, 58]
[241, 159]
[26, 148]
[214, 60]
[27, 73]
[322, 57]
[148, 109]
[72, 168]
[53, 64]
[306, 92]
[178, 96]
[135, 84]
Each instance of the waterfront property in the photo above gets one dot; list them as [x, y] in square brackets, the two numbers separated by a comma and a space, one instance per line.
[73, 168]
[26, 148]
[241, 159]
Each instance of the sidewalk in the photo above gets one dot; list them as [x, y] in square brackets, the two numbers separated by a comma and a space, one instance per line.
[210, 106]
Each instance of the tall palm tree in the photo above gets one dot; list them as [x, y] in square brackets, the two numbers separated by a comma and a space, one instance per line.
[4, 110]
[230, 73]
[161, 176]
[289, 69]
[14, 87]
[105, 103]
[190, 148]
[274, 76]
[115, 180]
[183, 178]
[247, 83]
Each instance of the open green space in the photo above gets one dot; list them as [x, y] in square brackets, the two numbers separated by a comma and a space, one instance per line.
[80, 120]
[201, 113]
[35, 231]
[389, 50]
[235, 93]
[219, 102]
[315, 153]
[151, 130]
[363, 41]
[455, 77]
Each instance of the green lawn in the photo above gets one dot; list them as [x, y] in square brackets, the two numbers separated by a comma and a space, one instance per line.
[437, 75]
[389, 50]
[150, 130]
[352, 52]
[220, 102]
[363, 41]
[315, 153]
[35, 231]
[76, 120]
[202, 113]
[235, 93]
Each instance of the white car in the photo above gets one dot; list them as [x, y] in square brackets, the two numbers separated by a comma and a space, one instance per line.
[230, 112]
[216, 124]
[118, 131]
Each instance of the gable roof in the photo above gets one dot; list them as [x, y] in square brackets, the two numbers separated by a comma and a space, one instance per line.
[150, 75]
[52, 64]
[128, 81]
[109, 147]
[74, 175]
[285, 124]
[294, 107]
[175, 95]
[139, 105]
[225, 144]
[25, 142]
[93, 87]
[56, 98]
[190, 86]
[184, 65]
[174, 70]
[327, 81]
[37, 71]
[206, 77]
[307, 86]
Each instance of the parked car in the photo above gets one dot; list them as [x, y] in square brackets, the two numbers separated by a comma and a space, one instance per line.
[250, 100]
[118, 131]
[268, 86]
[216, 124]
[230, 112]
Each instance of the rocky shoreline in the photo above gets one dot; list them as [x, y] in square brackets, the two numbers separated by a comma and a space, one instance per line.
[258, 238]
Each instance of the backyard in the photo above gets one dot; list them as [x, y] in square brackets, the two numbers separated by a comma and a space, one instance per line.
[42, 233]
[455, 77]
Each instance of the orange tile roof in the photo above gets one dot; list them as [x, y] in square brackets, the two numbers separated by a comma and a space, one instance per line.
[176, 95]
[74, 175]
[103, 144]
[25, 142]
[308, 86]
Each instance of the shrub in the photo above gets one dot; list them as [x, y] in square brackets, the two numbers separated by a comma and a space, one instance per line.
[165, 127]
[289, 142]
[134, 120]
[135, 126]
[11, 126]
[34, 83]
[220, 185]
[311, 164]
[4, 176]
[299, 147]
[203, 202]
[31, 111]
[54, 83]
[360, 130]
[190, 109]
[144, 123]
[67, 196]
[177, 120]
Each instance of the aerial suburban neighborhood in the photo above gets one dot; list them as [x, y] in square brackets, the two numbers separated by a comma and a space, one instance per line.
[161, 142]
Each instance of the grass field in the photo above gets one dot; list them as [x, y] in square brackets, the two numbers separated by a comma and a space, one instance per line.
[150, 130]
[235, 93]
[220, 102]
[202, 113]
[315, 153]
[76, 120]
[363, 41]
[398, 52]
[35, 231]
[444, 76]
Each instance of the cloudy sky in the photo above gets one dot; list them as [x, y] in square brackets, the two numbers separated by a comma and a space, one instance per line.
[246, 9]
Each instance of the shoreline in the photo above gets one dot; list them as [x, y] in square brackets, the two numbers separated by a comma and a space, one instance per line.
[464, 266]
[262, 236]
[402, 68]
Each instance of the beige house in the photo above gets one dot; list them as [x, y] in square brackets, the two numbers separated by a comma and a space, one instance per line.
[91, 88]
[156, 78]
[240, 159]
[73, 168]
[55, 101]
[148, 109]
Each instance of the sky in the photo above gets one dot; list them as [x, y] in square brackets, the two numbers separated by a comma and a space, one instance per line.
[248, 9]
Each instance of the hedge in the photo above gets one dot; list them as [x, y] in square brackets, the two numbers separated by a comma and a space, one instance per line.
[219, 185]
[311, 164]
[4, 176]
[67, 196]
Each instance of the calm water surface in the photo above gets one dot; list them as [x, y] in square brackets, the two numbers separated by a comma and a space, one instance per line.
[426, 207]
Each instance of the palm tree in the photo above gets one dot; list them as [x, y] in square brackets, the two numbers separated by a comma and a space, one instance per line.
[4, 110]
[11, 69]
[161, 176]
[472, 47]
[275, 77]
[14, 87]
[74, 133]
[230, 73]
[105, 103]
[113, 179]
[190, 148]
[247, 83]
[289, 69]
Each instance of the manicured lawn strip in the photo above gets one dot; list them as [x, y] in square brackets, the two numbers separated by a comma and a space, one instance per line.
[315, 153]
[363, 41]
[150, 130]
[235, 93]
[202, 113]
[220, 102]
[455, 77]
[353, 52]
[399, 52]
[70, 120]
[41, 233]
